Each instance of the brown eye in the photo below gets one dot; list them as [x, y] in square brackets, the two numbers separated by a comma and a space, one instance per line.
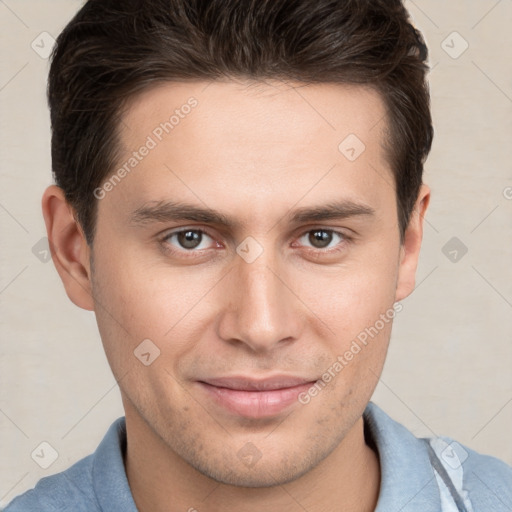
[188, 240]
[321, 238]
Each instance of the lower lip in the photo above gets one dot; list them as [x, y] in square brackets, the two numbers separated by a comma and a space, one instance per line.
[255, 404]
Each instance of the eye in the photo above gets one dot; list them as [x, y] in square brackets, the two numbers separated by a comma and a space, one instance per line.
[321, 239]
[188, 240]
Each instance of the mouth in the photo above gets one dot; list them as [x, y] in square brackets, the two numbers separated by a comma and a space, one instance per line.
[255, 398]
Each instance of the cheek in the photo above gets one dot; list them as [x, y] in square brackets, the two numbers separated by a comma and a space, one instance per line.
[352, 296]
[138, 301]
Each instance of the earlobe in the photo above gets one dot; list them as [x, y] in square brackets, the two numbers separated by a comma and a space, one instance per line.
[69, 249]
[410, 250]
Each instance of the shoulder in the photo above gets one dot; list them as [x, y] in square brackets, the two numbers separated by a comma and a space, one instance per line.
[481, 481]
[95, 483]
[73, 487]
[485, 480]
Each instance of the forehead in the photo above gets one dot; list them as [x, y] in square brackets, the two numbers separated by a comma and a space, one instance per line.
[291, 110]
[258, 142]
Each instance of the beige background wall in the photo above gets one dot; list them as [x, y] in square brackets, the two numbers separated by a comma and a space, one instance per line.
[449, 366]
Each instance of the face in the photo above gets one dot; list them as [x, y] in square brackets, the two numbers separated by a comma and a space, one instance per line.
[266, 315]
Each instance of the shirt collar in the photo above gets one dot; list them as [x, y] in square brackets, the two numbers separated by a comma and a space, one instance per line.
[108, 471]
[407, 479]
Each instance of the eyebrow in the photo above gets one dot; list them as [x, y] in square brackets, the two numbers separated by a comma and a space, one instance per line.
[166, 211]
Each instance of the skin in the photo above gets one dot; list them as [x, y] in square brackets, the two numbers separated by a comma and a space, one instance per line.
[255, 152]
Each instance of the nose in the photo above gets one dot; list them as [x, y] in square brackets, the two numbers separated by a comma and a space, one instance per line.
[259, 309]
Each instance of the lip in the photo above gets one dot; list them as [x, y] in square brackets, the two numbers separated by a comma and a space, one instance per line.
[255, 398]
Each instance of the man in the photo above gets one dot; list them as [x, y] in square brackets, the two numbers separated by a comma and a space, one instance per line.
[239, 199]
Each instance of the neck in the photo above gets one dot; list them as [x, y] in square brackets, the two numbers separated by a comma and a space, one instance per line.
[161, 481]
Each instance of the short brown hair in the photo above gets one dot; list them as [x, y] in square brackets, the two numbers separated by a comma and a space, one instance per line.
[111, 50]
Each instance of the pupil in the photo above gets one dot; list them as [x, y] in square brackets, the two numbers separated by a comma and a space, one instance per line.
[189, 239]
[321, 236]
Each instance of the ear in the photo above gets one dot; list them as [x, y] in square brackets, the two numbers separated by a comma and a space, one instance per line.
[410, 250]
[69, 249]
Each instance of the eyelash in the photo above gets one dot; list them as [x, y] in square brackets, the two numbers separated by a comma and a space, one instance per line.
[192, 253]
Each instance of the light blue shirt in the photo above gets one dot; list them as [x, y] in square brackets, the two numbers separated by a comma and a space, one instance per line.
[417, 475]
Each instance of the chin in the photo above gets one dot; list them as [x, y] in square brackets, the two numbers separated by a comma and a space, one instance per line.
[256, 478]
